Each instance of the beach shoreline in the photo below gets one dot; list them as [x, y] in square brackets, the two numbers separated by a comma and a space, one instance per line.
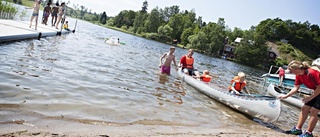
[66, 128]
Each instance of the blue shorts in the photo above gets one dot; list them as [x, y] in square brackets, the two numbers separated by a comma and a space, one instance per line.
[54, 14]
[35, 14]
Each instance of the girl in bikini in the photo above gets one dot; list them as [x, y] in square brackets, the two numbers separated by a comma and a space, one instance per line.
[60, 14]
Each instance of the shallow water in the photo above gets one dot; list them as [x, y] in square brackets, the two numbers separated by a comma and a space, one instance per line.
[79, 77]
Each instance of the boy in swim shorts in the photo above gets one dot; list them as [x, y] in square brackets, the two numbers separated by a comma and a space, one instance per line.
[168, 58]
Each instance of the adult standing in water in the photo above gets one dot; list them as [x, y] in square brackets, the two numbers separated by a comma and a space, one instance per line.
[54, 14]
[311, 79]
[62, 8]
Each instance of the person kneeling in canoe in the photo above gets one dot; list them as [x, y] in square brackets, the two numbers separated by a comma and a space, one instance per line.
[238, 83]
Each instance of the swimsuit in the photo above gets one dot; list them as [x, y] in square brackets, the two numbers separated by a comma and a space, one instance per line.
[165, 69]
[35, 14]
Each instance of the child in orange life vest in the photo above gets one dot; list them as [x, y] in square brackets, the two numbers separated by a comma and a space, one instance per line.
[205, 77]
[238, 83]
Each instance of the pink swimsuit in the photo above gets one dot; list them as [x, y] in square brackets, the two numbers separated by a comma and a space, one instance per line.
[165, 69]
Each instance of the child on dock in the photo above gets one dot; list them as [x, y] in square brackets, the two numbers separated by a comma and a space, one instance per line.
[62, 9]
[35, 13]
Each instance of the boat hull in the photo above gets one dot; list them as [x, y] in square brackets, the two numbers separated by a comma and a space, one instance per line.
[265, 108]
[275, 91]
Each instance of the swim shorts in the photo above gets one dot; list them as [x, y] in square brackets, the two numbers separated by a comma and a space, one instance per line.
[34, 14]
[165, 69]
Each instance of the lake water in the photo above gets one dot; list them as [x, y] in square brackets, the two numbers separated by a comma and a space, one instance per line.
[79, 77]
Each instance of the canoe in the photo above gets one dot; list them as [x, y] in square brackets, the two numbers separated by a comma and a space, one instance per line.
[289, 76]
[287, 83]
[266, 108]
[293, 100]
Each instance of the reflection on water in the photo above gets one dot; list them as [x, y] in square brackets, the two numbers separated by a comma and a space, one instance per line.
[78, 77]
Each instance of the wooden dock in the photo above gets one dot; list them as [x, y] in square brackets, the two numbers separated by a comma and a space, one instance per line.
[13, 30]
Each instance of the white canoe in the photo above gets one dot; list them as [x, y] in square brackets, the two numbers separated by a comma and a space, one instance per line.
[266, 108]
[286, 76]
[275, 91]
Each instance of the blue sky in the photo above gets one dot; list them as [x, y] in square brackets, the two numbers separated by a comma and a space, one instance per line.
[237, 13]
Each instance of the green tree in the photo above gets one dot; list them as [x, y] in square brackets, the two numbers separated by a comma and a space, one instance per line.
[153, 21]
[175, 24]
[138, 24]
[144, 6]
[103, 18]
[185, 35]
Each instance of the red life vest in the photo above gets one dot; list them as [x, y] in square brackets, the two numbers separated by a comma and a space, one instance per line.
[189, 62]
[238, 85]
[206, 78]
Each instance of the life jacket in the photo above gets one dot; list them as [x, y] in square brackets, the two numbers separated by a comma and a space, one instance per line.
[238, 85]
[189, 62]
[206, 78]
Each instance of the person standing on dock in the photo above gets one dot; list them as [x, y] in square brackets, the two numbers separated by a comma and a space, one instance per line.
[311, 79]
[62, 8]
[35, 13]
[46, 13]
[54, 14]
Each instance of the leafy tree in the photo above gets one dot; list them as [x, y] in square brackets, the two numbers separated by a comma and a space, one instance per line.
[153, 21]
[138, 23]
[175, 24]
[198, 41]
[103, 18]
[185, 35]
[144, 6]
[165, 30]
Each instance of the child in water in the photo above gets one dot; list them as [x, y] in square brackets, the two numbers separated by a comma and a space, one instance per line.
[168, 58]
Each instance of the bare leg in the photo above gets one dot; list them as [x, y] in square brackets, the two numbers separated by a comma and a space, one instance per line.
[31, 19]
[313, 119]
[58, 21]
[303, 116]
[36, 22]
[51, 20]
[55, 21]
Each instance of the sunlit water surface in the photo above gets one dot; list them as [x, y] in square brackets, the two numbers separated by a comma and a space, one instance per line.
[78, 76]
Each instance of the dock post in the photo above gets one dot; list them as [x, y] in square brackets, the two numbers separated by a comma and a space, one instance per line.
[39, 36]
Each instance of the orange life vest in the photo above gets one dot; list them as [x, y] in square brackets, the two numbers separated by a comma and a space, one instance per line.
[189, 62]
[206, 78]
[238, 85]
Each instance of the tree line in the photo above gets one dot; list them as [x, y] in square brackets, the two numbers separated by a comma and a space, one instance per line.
[183, 26]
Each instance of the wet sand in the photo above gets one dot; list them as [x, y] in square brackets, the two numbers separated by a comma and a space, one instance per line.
[62, 127]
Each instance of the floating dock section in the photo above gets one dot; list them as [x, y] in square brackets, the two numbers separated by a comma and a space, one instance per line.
[12, 30]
